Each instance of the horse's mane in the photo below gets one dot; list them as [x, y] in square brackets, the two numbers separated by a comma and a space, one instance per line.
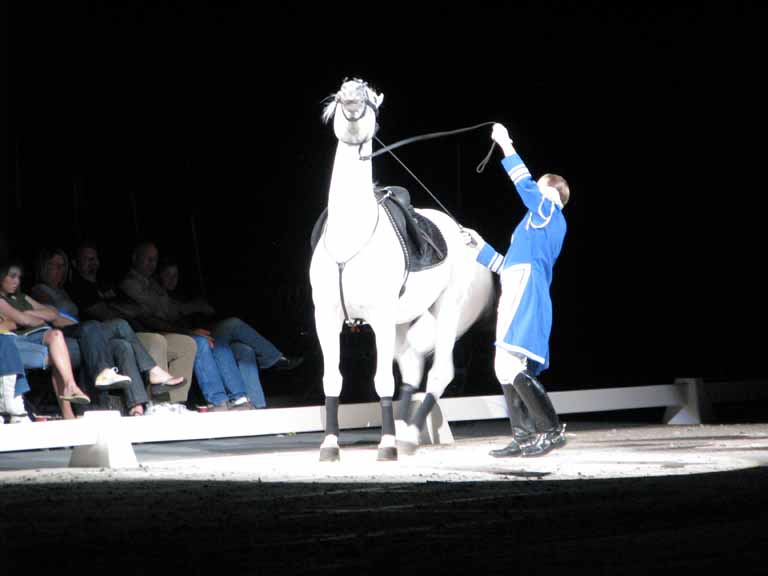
[329, 108]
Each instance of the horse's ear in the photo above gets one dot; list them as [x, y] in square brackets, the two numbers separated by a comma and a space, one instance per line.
[379, 100]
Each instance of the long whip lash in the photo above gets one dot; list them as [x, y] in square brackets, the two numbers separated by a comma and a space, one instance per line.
[430, 136]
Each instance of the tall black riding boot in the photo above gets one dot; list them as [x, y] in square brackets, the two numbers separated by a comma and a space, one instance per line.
[523, 428]
[550, 433]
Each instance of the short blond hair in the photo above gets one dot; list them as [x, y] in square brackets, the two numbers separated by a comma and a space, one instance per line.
[560, 184]
[44, 256]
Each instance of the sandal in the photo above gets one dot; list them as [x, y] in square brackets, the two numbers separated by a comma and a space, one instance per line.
[172, 381]
[167, 386]
[76, 398]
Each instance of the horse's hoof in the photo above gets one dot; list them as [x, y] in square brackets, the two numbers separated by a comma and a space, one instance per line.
[408, 440]
[408, 448]
[330, 454]
[387, 454]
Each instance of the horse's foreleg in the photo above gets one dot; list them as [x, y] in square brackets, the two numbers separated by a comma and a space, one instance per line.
[384, 330]
[328, 327]
[411, 364]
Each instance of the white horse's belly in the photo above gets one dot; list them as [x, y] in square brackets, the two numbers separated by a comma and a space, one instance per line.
[368, 289]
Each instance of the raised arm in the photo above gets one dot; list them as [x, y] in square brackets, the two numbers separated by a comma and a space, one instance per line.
[517, 170]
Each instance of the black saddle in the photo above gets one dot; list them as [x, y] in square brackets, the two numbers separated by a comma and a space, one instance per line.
[421, 240]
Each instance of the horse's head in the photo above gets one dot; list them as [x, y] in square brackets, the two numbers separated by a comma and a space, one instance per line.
[354, 109]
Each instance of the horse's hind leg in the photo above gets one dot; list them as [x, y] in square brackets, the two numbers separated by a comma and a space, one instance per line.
[328, 328]
[414, 341]
[446, 315]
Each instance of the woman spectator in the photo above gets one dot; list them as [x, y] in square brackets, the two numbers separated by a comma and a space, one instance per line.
[39, 345]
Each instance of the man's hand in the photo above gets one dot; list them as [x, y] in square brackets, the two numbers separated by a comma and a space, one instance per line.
[472, 239]
[500, 135]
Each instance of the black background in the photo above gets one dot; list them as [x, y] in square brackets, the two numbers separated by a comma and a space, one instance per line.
[198, 126]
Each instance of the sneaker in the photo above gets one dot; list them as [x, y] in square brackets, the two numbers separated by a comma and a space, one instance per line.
[241, 404]
[109, 378]
[15, 407]
[19, 419]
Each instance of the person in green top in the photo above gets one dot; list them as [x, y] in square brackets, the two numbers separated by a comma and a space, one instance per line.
[33, 326]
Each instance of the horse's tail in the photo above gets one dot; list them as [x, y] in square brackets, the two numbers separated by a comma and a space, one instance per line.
[479, 308]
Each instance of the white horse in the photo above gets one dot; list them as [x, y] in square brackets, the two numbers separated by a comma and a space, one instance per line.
[358, 270]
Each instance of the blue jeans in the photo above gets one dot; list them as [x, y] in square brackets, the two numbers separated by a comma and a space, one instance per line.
[217, 373]
[11, 363]
[34, 354]
[252, 351]
[249, 370]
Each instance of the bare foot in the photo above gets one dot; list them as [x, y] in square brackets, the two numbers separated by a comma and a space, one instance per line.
[159, 376]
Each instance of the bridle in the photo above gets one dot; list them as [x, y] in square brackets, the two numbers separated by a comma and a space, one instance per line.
[361, 96]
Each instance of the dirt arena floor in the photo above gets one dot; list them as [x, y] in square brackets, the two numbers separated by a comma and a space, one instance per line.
[618, 499]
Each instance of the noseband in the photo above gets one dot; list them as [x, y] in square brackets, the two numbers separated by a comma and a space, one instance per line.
[362, 87]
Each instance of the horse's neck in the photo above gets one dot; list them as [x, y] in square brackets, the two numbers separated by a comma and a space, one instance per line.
[352, 207]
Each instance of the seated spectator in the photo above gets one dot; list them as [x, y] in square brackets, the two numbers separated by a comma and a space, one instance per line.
[170, 352]
[116, 336]
[38, 343]
[252, 350]
[13, 379]
[214, 351]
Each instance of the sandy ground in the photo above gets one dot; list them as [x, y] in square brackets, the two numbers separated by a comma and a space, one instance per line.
[618, 499]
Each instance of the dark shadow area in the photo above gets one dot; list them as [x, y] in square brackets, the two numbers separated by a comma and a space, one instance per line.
[628, 526]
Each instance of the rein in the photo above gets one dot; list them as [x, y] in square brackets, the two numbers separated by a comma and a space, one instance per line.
[479, 169]
[429, 136]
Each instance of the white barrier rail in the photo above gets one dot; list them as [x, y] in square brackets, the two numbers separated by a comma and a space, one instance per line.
[105, 439]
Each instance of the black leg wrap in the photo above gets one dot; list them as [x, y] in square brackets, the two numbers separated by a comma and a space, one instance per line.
[332, 415]
[387, 416]
[519, 420]
[424, 409]
[536, 400]
[406, 393]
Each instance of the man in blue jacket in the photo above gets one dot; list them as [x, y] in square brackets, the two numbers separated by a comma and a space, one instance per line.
[525, 309]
